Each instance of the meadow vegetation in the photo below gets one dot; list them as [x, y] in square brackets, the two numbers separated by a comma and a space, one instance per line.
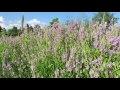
[72, 50]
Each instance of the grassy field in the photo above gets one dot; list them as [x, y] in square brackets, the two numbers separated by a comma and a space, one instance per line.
[62, 51]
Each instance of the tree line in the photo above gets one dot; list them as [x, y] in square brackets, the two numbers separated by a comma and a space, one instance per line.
[107, 17]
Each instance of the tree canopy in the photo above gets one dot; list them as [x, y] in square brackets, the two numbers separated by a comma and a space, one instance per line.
[106, 17]
[54, 20]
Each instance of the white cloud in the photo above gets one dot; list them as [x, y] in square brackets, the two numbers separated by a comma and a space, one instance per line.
[43, 24]
[2, 21]
[17, 23]
[11, 24]
[34, 22]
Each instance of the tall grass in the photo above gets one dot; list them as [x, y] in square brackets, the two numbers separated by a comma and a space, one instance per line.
[62, 51]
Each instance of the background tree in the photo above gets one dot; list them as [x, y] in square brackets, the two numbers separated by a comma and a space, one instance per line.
[37, 27]
[4, 31]
[31, 28]
[67, 22]
[13, 32]
[105, 16]
[28, 28]
[0, 29]
[54, 20]
[22, 22]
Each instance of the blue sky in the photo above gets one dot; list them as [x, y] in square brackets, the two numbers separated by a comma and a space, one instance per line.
[43, 16]
[13, 18]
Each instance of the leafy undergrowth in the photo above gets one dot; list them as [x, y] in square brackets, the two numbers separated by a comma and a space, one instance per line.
[62, 51]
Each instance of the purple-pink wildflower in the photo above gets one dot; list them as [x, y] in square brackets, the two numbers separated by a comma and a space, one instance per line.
[55, 25]
[13, 41]
[39, 35]
[105, 24]
[73, 50]
[65, 55]
[75, 22]
[57, 72]
[55, 50]
[70, 27]
[70, 65]
[91, 72]
[76, 69]
[95, 44]
[96, 74]
[102, 49]
[32, 67]
[101, 68]
[57, 38]
[114, 39]
[48, 32]
[110, 64]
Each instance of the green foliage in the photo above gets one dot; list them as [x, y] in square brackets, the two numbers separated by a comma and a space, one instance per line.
[2, 31]
[58, 53]
[105, 16]
[28, 28]
[68, 22]
[22, 22]
[54, 20]
[31, 28]
[3, 46]
[13, 32]
[86, 23]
